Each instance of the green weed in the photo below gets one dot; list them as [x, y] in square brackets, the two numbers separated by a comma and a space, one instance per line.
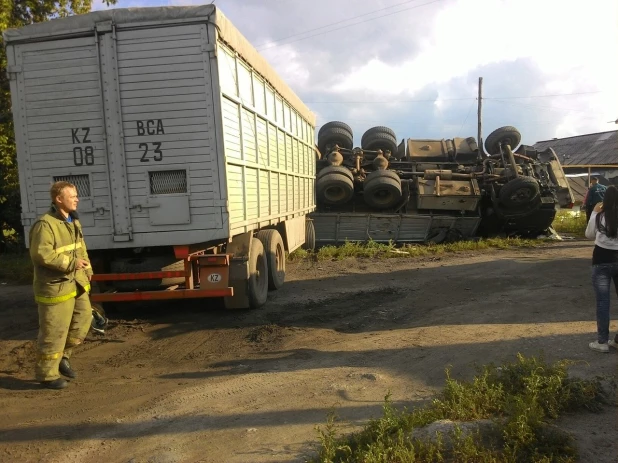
[516, 401]
[373, 249]
[568, 222]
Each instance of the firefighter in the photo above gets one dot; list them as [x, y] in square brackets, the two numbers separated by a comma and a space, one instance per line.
[62, 274]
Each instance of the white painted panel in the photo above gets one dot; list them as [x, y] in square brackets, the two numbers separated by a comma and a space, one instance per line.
[248, 135]
[290, 193]
[273, 155]
[168, 129]
[231, 129]
[251, 192]
[265, 194]
[275, 200]
[289, 159]
[63, 125]
[236, 197]
[262, 138]
[245, 87]
[281, 148]
[227, 72]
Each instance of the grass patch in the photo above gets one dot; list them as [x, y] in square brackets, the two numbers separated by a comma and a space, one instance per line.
[516, 402]
[390, 250]
[16, 268]
[568, 222]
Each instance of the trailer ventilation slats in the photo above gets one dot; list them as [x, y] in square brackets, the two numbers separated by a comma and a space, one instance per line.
[82, 182]
[167, 182]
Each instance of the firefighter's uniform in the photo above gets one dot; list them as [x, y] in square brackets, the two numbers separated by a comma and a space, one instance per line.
[60, 290]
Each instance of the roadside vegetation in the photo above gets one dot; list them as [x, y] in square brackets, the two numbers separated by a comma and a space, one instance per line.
[569, 222]
[504, 414]
[390, 250]
[15, 267]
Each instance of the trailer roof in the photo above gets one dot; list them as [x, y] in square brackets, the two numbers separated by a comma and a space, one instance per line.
[84, 24]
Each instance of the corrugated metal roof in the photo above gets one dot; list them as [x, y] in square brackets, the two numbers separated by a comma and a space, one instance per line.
[594, 148]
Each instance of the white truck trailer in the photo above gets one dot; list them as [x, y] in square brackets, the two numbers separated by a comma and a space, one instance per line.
[194, 161]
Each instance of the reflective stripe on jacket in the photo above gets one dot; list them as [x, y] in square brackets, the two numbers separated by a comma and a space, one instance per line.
[55, 244]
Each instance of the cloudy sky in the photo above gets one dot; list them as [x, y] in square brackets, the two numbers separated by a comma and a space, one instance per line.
[549, 67]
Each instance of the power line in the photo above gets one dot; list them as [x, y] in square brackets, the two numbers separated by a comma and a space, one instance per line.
[333, 24]
[545, 96]
[350, 25]
[549, 108]
[466, 118]
[433, 100]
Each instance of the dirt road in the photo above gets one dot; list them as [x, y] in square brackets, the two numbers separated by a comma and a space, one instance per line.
[198, 383]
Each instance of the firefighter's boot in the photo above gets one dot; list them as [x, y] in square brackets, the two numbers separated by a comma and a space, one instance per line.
[65, 369]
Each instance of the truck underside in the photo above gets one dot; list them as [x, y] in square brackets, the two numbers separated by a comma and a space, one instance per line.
[433, 190]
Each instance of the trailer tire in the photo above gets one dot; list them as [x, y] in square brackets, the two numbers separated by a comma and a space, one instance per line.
[381, 141]
[275, 256]
[333, 136]
[257, 286]
[334, 188]
[335, 125]
[382, 189]
[148, 264]
[520, 192]
[309, 244]
[378, 129]
[507, 135]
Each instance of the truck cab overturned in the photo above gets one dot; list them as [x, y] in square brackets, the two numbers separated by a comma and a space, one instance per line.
[424, 190]
[193, 160]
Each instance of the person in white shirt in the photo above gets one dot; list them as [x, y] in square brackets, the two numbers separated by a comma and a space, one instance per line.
[603, 229]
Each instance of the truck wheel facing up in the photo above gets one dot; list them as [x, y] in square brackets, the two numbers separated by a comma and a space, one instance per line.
[275, 257]
[504, 135]
[334, 185]
[380, 138]
[382, 189]
[335, 136]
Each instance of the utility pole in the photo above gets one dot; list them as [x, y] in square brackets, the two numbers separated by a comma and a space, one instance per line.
[480, 120]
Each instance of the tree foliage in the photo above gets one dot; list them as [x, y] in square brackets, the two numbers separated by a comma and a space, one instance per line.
[18, 13]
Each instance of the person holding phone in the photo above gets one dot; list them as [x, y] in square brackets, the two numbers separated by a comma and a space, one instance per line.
[603, 229]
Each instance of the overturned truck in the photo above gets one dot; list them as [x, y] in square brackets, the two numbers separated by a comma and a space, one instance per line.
[422, 190]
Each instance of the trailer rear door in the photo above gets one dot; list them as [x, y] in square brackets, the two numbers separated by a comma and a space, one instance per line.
[126, 115]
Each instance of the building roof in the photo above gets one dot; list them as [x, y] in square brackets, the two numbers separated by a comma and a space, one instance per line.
[590, 149]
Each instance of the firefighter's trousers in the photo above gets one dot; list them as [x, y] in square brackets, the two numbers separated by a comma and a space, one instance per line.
[61, 327]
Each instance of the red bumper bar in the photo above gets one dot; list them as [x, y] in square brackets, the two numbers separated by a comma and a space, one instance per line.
[161, 295]
[137, 276]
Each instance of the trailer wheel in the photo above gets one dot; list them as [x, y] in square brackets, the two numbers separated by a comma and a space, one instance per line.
[335, 136]
[503, 136]
[334, 188]
[520, 192]
[335, 125]
[381, 141]
[382, 189]
[257, 286]
[309, 244]
[275, 256]
[378, 129]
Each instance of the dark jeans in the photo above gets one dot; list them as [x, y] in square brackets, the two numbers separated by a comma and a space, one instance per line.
[602, 276]
[589, 210]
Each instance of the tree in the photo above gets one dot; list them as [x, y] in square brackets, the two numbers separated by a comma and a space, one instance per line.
[17, 13]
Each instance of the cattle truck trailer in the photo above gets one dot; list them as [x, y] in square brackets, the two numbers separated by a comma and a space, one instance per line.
[193, 160]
